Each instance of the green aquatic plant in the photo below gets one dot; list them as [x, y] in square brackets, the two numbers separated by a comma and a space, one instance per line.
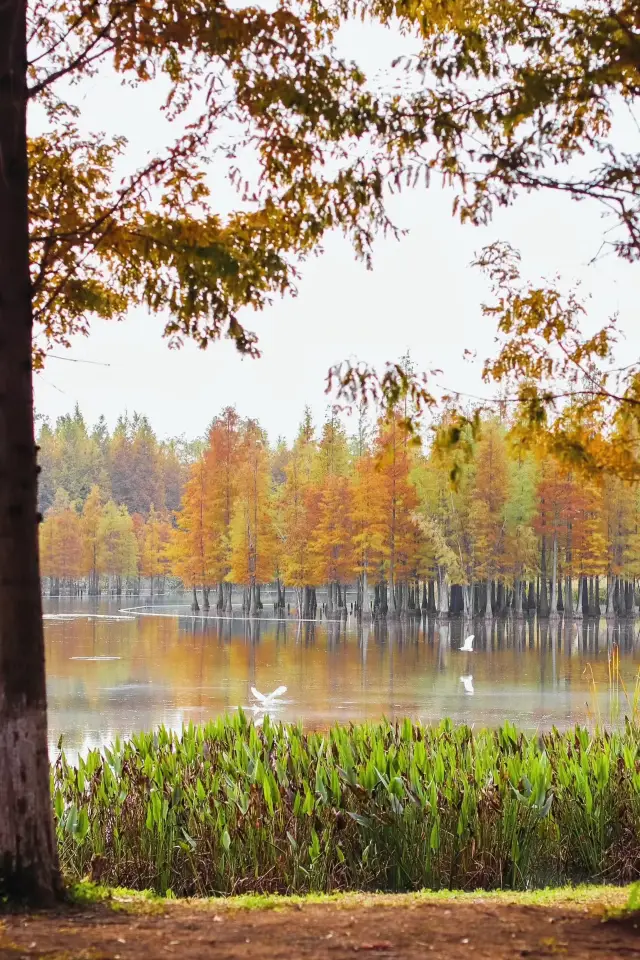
[231, 808]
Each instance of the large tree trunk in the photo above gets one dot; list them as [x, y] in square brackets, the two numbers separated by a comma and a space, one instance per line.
[28, 858]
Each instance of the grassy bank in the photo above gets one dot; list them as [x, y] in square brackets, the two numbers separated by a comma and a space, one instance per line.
[228, 808]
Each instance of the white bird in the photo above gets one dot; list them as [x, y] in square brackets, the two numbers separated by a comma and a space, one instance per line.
[467, 646]
[268, 698]
[467, 683]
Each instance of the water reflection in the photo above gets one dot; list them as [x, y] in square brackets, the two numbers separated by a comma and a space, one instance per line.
[108, 677]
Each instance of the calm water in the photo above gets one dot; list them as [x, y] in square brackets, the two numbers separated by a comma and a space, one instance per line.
[113, 673]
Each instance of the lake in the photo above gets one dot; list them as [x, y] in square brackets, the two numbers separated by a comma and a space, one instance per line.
[115, 668]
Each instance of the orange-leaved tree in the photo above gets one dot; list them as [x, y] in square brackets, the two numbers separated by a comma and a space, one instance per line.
[253, 543]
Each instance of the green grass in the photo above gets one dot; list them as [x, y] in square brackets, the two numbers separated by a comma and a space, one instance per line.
[230, 809]
[86, 893]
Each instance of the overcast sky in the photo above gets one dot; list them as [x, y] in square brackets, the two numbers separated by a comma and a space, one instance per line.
[422, 295]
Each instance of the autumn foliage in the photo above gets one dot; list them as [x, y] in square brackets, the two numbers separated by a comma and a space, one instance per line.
[372, 516]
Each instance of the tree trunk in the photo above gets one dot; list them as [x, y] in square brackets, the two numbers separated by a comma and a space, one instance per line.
[28, 857]
[628, 596]
[431, 594]
[568, 597]
[611, 584]
[543, 597]
[553, 612]
[443, 593]
[253, 600]
[560, 597]
[206, 606]
[195, 606]
[531, 599]
[517, 597]
[488, 610]
[467, 595]
[364, 599]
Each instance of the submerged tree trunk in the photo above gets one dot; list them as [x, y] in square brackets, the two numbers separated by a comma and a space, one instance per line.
[28, 857]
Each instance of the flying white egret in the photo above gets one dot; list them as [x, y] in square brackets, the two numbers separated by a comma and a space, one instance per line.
[467, 646]
[268, 698]
[467, 683]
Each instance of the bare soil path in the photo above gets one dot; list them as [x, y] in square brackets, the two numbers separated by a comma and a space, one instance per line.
[394, 928]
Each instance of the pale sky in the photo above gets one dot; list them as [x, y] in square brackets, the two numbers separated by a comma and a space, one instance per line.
[421, 295]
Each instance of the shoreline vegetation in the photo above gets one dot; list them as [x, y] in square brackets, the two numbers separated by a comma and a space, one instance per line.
[335, 525]
[230, 808]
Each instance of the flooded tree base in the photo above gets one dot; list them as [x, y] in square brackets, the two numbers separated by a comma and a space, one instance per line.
[398, 927]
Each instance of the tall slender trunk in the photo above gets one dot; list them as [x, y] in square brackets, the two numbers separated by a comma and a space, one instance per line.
[431, 596]
[611, 584]
[28, 857]
[531, 599]
[517, 597]
[553, 612]
[488, 610]
[568, 597]
[365, 601]
[195, 606]
[467, 595]
[543, 596]
[443, 593]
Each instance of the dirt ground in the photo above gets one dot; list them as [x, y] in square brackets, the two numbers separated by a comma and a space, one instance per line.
[384, 927]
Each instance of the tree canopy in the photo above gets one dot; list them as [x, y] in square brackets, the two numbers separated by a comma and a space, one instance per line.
[249, 89]
[513, 97]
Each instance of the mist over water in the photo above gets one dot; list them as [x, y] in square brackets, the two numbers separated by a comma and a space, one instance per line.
[114, 669]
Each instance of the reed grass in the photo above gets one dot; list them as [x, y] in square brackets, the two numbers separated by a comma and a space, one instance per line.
[231, 808]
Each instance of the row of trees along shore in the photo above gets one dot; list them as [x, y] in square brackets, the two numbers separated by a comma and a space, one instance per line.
[370, 513]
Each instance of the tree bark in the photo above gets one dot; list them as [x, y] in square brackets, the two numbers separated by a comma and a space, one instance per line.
[28, 857]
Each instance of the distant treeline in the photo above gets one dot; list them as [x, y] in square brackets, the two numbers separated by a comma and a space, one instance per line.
[372, 512]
